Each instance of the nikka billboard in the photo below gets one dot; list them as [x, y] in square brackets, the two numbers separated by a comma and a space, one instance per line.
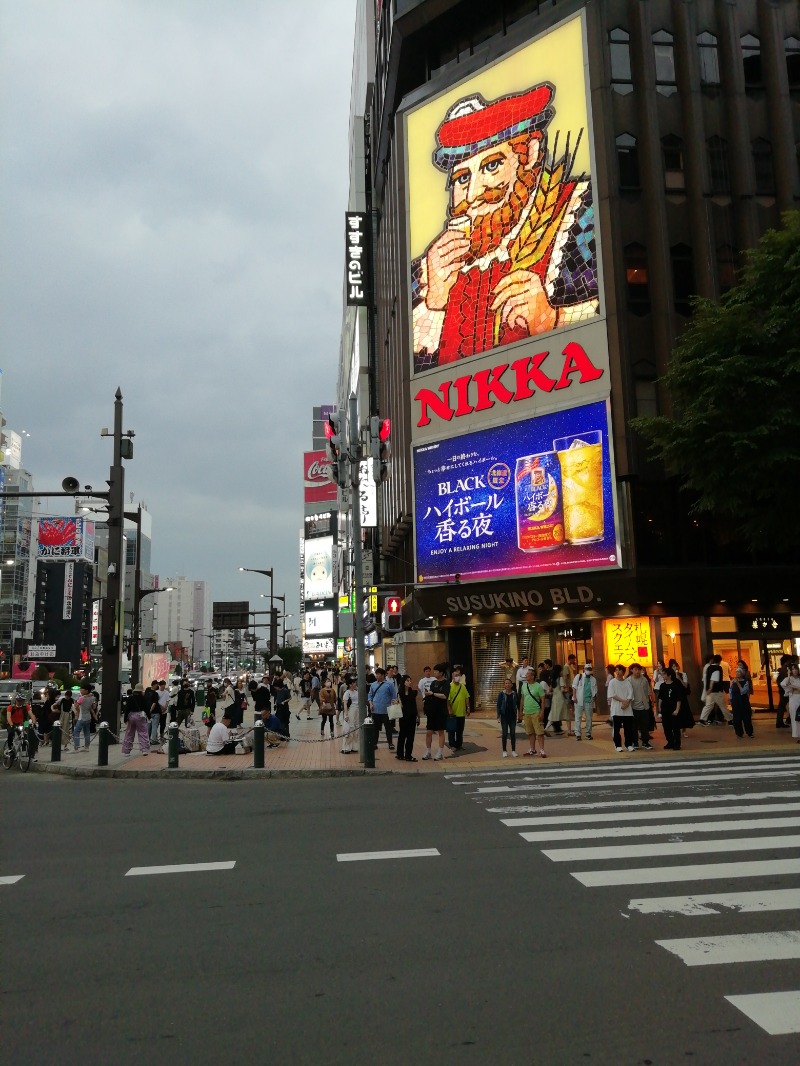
[507, 323]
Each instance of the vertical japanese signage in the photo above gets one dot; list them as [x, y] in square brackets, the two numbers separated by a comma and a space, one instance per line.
[628, 641]
[367, 494]
[356, 258]
[69, 585]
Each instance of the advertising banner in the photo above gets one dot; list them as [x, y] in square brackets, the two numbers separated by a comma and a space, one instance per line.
[317, 486]
[318, 569]
[533, 497]
[61, 539]
[69, 586]
[356, 233]
[628, 641]
[318, 646]
[502, 247]
[319, 623]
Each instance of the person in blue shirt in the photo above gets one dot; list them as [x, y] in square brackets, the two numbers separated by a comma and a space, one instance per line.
[380, 695]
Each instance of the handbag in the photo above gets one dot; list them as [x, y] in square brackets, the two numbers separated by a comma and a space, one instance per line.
[395, 712]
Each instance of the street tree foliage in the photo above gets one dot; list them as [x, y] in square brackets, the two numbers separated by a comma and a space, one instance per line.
[733, 439]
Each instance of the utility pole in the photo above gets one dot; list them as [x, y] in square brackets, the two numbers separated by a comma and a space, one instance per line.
[113, 606]
[354, 455]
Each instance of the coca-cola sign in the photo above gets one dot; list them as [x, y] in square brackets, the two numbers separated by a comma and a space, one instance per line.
[317, 485]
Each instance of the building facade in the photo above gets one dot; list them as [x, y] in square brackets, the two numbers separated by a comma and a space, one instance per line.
[548, 185]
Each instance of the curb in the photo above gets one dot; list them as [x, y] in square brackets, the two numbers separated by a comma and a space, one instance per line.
[201, 775]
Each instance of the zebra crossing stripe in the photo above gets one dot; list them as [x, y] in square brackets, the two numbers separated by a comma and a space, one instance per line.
[660, 830]
[619, 805]
[683, 847]
[735, 948]
[624, 767]
[686, 777]
[777, 1013]
[778, 899]
[714, 871]
[644, 816]
[11, 879]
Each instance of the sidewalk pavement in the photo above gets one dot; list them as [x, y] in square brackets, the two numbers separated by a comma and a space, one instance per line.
[307, 756]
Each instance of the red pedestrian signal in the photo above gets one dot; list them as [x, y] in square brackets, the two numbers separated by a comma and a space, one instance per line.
[393, 614]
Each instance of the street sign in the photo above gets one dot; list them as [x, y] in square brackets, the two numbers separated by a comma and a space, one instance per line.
[41, 651]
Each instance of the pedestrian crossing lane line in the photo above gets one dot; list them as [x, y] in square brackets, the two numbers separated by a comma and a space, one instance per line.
[627, 766]
[181, 868]
[653, 875]
[684, 777]
[11, 879]
[778, 899]
[778, 946]
[622, 805]
[364, 856]
[644, 816]
[777, 1013]
[672, 829]
[683, 847]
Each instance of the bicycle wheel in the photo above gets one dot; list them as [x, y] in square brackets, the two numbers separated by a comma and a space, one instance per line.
[24, 756]
[8, 757]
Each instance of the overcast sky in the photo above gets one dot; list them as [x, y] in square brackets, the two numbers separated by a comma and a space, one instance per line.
[174, 177]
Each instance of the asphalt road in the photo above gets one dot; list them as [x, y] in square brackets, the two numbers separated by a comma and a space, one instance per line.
[490, 951]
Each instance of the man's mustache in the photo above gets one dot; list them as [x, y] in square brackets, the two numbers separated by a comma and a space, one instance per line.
[490, 196]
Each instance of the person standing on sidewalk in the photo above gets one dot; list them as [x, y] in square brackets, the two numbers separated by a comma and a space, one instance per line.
[508, 715]
[713, 695]
[459, 708]
[408, 722]
[327, 707]
[531, 702]
[66, 706]
[185, 702]
[85, 713]
[642, 706]
[436, 707]
[136, 719]
[791, 692]
[522, 674]
[350, 717]
[673, 704]
[380, 695]
[584, 698]
[740, 705]
[569, 673]
[620, 700]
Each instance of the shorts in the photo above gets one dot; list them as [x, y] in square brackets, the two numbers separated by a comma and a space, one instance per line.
[533, 725]
[437, 720]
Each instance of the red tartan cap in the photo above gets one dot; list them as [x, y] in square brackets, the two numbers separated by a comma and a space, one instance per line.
[472, 125]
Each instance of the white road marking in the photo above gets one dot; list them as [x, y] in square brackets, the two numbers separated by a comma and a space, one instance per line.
[619, 804]
[359, 856]
[685, 778]
[624, 766]
[778, 899]
[11, 879]
[644, 816]
[778, 1013]
[713, 871]
[182, 868]
[736, 948]
[660, 830]
[683, 847]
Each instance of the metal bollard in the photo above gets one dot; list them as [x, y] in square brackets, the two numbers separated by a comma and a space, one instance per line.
[173, 745]
[258, 746]
[55, 741]
[102, 744]
[369, 744]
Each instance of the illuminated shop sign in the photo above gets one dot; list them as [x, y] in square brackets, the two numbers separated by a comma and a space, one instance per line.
[318, 646]
[318, 583]
[356, 258]
[533, 497]
[501, 223]
[319, 623]
[628, 641]
[62, 539]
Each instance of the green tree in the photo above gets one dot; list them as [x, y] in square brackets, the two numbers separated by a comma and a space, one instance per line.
[733, 439]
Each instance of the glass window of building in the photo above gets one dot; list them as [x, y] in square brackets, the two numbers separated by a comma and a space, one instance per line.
[672, 151]
[762, 164]
[709, 58]
[619, 47]
[664, 55]
[637, 279]
[726, 268]
[791, 47]
[646, 393]
[628, 160]
[683, 287]
[718, 165]
[751, 61]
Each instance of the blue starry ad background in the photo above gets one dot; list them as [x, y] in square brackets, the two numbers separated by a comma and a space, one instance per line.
[471, 529]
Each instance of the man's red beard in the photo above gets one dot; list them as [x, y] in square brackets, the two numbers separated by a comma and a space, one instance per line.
[489, 229]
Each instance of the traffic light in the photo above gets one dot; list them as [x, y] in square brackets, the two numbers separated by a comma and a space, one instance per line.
[333, 431]
[392, 614]
[380, 433]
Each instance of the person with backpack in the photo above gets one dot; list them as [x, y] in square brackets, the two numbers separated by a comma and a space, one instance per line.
[185, 702]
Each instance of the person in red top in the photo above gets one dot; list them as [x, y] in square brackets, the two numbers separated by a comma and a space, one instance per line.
[517, 254]
[17, 713]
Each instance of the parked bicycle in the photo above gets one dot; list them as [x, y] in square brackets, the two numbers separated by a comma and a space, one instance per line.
[18, 751]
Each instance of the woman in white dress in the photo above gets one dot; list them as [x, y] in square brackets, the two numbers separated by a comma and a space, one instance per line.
[560, 706]
[791, 686]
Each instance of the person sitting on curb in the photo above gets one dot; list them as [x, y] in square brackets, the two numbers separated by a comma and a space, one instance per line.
[219, 739]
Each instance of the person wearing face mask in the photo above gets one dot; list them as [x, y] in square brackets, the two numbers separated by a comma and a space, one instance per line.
[459, 708]
[584, 698]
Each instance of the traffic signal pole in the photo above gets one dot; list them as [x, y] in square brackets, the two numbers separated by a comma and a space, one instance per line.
[354, 453]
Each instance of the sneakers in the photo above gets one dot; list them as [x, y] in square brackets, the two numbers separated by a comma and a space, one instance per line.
[647, 747]
[427, 755]
[630, 747]
[436, 757]
[505, 754]
[513, 755]
[619, 749]
[543, 754]
[529, 752]
[577, 736]
[588, 736]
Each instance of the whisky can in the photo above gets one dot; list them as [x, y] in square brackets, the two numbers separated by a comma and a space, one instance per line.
[540, 513]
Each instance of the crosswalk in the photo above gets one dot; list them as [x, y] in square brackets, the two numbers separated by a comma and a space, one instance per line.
[617, 826]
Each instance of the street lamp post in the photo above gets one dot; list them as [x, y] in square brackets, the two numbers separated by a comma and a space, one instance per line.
[193, 630]
[138, 596]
